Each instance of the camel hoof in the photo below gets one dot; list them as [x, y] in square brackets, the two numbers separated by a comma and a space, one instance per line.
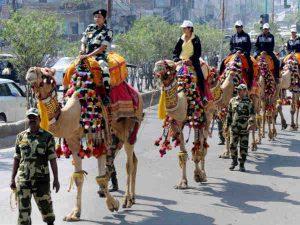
[224, 155]
[72, 217]
[254, 147]
[128, 202]
[197, 177]
[114, 207]
[182, 185]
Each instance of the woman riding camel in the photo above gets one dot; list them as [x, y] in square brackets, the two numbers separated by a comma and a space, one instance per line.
[96, 40]
[188, 50]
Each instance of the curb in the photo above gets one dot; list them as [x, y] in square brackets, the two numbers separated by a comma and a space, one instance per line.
[8, 131]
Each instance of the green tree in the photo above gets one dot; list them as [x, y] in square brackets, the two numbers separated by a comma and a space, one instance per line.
[31, 35]
[151, 39]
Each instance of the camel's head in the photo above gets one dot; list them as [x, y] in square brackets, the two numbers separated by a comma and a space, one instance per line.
[41, 81]
[233, 73]
[165, 70]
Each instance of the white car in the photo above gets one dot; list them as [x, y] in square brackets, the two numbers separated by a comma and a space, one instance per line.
[12, 101]
[61, 66]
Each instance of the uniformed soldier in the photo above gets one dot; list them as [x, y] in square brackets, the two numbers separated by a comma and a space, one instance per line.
[35, 147]
[240, 120]
[96, 40]
[266, 42]
[293, 45]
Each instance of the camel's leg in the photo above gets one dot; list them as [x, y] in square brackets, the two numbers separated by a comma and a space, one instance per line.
[269, 120]
[293, 110]
[254, 145]
[274, 132]
[182, 156]
[133, 178]
[259, 127]
[77, 178]
[279, 110]
[102, 181]
[264, 123]
[297, 110]
[226, 152]
[128, 202]
[204, 178]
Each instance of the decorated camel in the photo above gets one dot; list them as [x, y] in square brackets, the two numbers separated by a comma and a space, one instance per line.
[291, 81]
[181, 105]
[269, 94]
[84, 117]
[233, 75]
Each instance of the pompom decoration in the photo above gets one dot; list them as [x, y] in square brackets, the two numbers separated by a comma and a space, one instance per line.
[91, 119]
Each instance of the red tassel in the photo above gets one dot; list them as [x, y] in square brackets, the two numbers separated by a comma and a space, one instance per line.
[66, 151]
[59, 151]
[81, 153]
[96, 151]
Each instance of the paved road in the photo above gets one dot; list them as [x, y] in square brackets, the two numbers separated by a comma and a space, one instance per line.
[269, 193]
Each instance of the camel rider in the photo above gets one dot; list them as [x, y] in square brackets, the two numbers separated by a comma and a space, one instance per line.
[293, 45]
[265, 42]
[240, 41]
[96, 40]
[188, 50]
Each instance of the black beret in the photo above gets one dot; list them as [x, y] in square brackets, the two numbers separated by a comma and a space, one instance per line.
[103, 12]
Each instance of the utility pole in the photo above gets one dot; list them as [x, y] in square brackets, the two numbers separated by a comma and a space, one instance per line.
[273, 15]
[109, 8]
[13, 5]
[266, 6]
[222, 27]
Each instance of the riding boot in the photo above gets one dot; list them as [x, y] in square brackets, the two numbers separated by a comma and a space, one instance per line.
[234, 163]
[114, 182]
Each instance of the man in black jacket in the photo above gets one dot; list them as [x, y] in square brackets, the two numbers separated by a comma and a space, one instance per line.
[265, 42]
[293, 45]
[193, 59]
[240, 41]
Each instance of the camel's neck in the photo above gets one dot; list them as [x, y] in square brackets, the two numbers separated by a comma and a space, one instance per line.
[171, 95]
[52, 106]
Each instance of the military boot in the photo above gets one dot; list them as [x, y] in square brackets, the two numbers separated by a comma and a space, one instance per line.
[114, 182]
[234, 163]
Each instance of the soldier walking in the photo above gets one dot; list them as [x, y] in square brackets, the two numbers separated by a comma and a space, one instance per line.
[240, 120]
[34, 148]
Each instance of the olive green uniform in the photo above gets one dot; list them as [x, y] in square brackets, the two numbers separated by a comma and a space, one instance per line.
[33, 178]
[240, 115]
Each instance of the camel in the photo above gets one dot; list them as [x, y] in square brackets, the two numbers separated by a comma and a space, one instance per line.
[64, 123]
[173, 109]
[290, 81]
[225, 90]
[269, 94]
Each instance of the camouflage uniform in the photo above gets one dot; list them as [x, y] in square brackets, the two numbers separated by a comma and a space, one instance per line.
[240, 115]
[34, 151]
[93, 38]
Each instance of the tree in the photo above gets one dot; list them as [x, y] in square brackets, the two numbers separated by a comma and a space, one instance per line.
[32, 36]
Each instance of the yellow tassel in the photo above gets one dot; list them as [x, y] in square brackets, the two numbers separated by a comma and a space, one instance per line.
[182, 158]
[76, 175]
[162, 113]
[44, 124]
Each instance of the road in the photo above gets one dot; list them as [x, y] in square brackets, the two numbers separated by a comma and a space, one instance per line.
[268, 193]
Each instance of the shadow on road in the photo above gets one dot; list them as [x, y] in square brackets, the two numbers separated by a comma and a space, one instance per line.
[4, 157]
[237, 195]
[161, 215]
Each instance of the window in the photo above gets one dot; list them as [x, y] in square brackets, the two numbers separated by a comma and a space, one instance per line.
[4, 90]
[42, 1]
[14, 90]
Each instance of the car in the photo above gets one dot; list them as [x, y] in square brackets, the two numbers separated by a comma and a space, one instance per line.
[61, 66]
[12, 101]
